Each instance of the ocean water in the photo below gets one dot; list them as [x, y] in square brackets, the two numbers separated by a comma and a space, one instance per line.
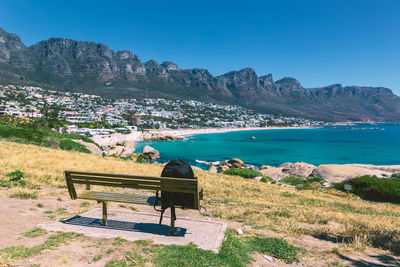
[365, 143]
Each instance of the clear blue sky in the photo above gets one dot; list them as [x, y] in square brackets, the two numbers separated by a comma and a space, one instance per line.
[353, 42]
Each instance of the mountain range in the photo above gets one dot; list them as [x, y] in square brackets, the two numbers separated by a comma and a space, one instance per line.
[89, 67]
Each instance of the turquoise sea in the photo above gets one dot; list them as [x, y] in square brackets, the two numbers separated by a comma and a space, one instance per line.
[364, 143]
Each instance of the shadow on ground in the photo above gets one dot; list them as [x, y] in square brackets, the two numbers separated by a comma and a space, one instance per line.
[384, 261]
[151, 228]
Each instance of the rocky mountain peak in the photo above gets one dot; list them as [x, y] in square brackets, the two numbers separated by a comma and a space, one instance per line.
[288, 84]
[88, 67]
[170, 66]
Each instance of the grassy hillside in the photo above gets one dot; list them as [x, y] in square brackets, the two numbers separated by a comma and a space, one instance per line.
[327, 215]
[27, 132]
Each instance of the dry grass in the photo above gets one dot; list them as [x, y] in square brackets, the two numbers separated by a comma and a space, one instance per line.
[327, 214]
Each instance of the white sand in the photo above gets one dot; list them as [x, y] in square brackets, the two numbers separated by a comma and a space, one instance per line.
[189, 132]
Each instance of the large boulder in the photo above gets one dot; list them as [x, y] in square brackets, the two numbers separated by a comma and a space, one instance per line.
[236, 160]
[396, 175]
[274, 173]
[128, 148]
[213, 169]
[150, 153]
[236, 163]
[334, 173]
[297, 169]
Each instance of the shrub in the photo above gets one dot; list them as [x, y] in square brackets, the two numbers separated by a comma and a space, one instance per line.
[51, 142]
[245, 173]
[140, 159]
[374, 188]
[15, 175]
[16, 178]
[266, 179]
[293, 180]
[68, 144]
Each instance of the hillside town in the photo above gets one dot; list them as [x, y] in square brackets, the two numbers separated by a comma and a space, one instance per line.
[94, 115]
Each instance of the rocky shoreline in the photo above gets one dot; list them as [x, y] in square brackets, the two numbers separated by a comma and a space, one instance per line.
[330, 173]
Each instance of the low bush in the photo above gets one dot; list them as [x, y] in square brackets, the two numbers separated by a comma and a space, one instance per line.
[266, 179]
[373, 188]
[68, 144]
[293, 180]
[15, 178]
[245, 173]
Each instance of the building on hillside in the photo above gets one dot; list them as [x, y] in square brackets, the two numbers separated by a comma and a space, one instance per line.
[2, 111]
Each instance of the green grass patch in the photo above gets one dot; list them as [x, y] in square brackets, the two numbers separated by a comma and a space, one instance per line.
[84, 204]
[374, 188]
[245, 173]
[61, 211]
[35, 232]
[24, 195]
[301, 183]
[276, 247]
[52, 242]
[118, 241]
[233, 252]
[97, 257]
[132, 258]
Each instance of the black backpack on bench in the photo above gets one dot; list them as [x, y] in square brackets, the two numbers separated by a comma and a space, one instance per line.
[175, 169]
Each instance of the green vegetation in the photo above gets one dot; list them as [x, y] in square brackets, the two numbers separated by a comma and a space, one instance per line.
[84, 204]
[52, 242]
[24, 195]
[302, 183]
[33, 131]
[97, 257]
[374, 188]
[68, 144]
[233, 252]
[132, 258]
[245, 173]
[277, 247]
[266, 179]
[118, 241]
[35, 232]
[15, 178]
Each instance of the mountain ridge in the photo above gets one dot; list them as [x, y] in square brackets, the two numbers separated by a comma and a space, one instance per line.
[90, 67]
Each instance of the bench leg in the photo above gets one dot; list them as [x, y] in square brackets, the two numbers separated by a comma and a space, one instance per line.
[104, 220]
[173, 218]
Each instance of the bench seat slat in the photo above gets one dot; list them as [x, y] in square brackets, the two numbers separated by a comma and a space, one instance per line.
[116, 185]
[117, 197]
[141, 181]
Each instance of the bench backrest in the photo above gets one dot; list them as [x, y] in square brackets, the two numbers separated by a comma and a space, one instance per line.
[181, 185]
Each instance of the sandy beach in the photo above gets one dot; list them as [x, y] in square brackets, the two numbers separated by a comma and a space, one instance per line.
[190, 132]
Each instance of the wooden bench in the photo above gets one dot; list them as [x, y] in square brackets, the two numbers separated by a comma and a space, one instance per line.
[89, 179]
